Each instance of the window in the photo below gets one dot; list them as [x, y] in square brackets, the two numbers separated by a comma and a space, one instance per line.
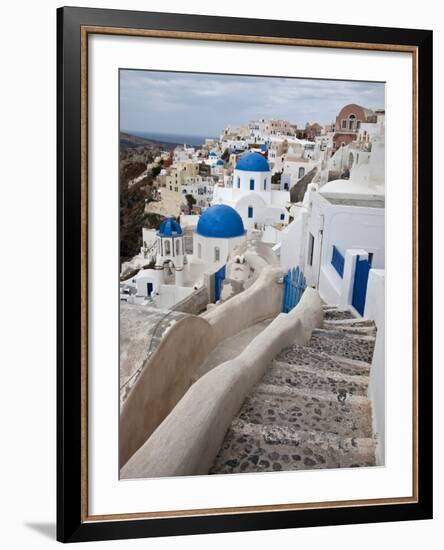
[337, 261]
[250, 211]
[252, 184]
[282, 216]
[301, 172]
[167, 247]
[199, 251]
[238, 183]
[177, 247]
[265, 184]
[352, 122]
[217, 254]
[344, 123]
[310, 249]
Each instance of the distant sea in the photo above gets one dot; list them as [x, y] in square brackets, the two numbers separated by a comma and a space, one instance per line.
[172, 138]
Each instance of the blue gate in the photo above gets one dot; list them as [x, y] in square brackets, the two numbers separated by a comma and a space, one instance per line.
[360, 285]
[219, 277]
[294, 286]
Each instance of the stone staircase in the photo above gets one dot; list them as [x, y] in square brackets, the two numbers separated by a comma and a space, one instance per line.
[310, 410]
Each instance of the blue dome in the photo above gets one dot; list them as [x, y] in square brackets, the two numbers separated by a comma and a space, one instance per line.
[253, 162]
[220, 221]
[213, 154]
[169, 228]
[220, 162]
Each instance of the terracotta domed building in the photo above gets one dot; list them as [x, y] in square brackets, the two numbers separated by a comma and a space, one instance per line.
[348, 121]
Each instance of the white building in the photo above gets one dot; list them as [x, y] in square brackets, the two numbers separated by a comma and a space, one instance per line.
[220, 229]
[337, 226]
[251, 194]
[184, 153]
[200, 187]
[174, 274]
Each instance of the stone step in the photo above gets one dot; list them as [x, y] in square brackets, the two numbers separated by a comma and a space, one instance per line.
[344, 323]
[344, 345]
[309, 410]
[263, 448]
[303, 355]
[339, 333]
[364, 330]
[309, 377]
[337, 314]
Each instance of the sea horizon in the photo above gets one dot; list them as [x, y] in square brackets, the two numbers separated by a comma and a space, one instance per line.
[188, 139]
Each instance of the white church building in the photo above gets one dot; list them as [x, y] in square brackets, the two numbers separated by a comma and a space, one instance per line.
[251, 193]
[220, 229]
[174, 275]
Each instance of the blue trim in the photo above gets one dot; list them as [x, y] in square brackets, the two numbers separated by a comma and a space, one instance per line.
[337, 261]
[360, 285]
[219, 278]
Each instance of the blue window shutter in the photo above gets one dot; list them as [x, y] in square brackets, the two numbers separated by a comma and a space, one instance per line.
[252, 184]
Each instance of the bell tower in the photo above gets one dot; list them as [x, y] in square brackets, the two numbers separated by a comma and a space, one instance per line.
[170, 248]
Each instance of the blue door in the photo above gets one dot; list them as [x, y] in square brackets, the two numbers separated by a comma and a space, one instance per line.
[250, 211]
[294, 286]
[219, 277]
[360, 285]
[149, 288]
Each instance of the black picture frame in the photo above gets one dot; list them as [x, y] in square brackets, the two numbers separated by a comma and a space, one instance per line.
[73, 523]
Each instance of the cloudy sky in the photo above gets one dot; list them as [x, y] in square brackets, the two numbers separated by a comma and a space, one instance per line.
[204, 104]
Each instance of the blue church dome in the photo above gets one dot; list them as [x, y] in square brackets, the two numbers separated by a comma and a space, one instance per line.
[253, 162]
[220, 221]
[220, 162]
[170, 228]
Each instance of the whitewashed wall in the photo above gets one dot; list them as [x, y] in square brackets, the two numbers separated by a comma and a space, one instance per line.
[375, 310]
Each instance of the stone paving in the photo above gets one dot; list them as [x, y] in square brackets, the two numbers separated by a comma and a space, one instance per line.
[311, 409]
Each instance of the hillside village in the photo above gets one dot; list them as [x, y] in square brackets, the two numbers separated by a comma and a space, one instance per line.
[258, 296]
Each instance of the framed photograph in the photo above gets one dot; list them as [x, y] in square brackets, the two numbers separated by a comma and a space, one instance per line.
[244, 274]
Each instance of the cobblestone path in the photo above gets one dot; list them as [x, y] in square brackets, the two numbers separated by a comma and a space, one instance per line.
[311, 409]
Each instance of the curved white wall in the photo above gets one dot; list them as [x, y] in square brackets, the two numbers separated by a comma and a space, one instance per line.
[187, 441]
